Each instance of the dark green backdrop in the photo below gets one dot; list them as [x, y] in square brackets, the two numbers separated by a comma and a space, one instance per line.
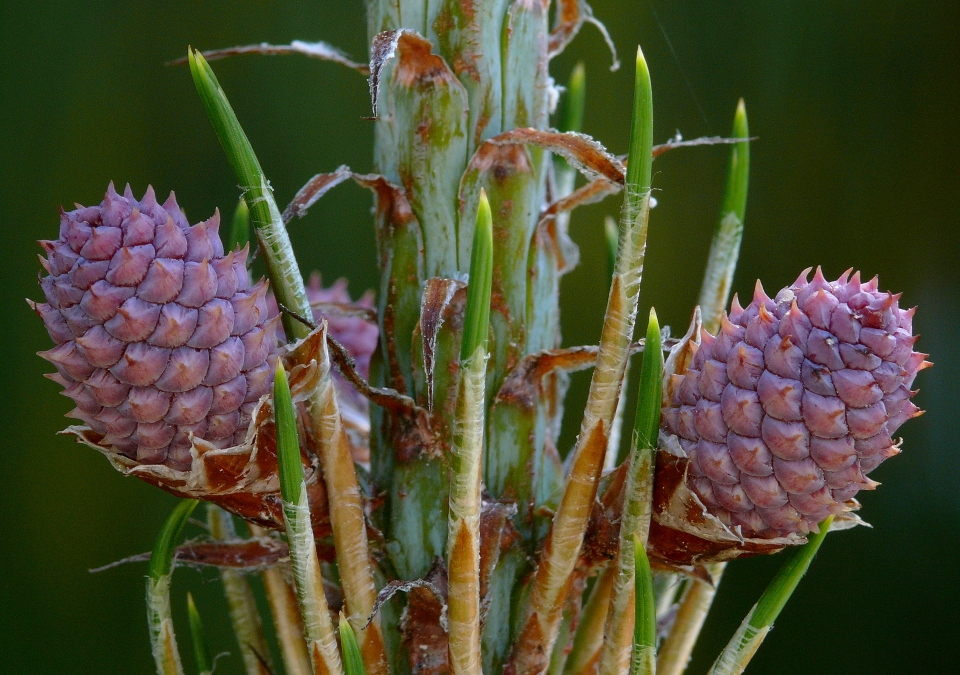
[856, 104]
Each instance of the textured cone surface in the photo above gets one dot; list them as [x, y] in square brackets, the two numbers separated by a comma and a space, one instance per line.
[159, 334]
[785, 412]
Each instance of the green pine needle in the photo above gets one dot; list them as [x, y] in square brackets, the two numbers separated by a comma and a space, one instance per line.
[748, 638]
[735, 194]
[163, 640]
[352, 660]
[317, 624]
[574, 102]
[725, 249]
[201, 651]
[161, 561]
[647, 422]
[775, 598]
[645, 625]
[477, 315]
[240, 227]
[282, 269]
[640, 166]
[288, 445]
[235, 143]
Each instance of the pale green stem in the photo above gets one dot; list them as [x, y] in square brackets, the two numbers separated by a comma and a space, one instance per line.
[241, 604]
[346, 515]
[286, 617]
[678, 646]
[611, 235]
[466, 456]
[318, 628]
[317, 625]
[615, 656]
[463, 537]
[616, 428]
[163, 639]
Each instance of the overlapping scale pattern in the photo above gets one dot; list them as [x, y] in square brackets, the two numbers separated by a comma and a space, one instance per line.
[788, 408]
[159, 334]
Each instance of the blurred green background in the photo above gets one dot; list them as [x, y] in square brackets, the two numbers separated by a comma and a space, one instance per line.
[857, 109]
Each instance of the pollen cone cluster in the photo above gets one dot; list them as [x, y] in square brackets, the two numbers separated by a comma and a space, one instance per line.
[785, 412]
[159, 334]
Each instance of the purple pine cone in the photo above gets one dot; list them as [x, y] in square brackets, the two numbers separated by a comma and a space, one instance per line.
[159, 334]
[785, 412]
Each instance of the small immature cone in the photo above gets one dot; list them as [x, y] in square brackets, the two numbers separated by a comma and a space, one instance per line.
[352, 323]
[784, 413]
[159, 334]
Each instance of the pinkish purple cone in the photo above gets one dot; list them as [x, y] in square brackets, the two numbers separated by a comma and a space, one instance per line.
[158, 333]
[785, 412]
